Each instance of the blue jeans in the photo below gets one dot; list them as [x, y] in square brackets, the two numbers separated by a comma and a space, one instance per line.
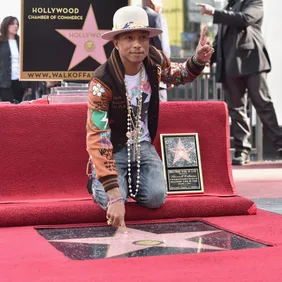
[152, 186]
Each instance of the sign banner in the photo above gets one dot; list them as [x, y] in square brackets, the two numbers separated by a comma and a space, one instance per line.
[61, 40]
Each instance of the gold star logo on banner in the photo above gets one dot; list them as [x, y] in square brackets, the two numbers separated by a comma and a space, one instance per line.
[88, 41]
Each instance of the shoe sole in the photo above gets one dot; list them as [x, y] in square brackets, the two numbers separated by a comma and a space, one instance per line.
[240, 163]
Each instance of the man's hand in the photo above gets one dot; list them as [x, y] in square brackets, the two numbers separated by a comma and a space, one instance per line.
[204, 49]
[206, 9]
[116, 211]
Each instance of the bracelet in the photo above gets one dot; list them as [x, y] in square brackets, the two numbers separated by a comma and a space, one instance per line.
[196, 62]
[114, 201]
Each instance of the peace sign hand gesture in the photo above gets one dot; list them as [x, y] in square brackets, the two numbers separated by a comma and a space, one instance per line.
[204, 49]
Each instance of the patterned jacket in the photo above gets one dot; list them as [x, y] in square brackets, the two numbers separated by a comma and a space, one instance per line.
[107, 109]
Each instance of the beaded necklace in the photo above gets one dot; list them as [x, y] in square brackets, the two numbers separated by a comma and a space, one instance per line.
[133, 135]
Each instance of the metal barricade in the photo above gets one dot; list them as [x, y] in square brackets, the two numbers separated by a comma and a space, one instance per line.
[70, 88]
[70, 93]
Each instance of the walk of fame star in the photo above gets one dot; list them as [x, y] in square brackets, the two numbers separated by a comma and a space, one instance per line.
[88, 41]
[180, 152]
[135, 240]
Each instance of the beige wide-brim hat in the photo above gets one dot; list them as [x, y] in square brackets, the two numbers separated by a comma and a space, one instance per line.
[130, 18]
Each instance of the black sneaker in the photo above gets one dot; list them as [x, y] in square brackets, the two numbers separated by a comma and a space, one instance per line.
[241, 158]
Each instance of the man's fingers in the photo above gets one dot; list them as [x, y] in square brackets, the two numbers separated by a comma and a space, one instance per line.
[205, 49]
[203, 35]
[116, 222]
[200, 4]
[209, 53]
[122, 222]
[123, 226]
[109, 219]
[115, 214]
[204, 31]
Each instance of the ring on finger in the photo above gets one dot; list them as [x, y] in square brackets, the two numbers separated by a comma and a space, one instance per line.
[109, 222]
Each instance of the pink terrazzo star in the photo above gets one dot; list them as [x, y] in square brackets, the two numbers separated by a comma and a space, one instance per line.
[180, 152]
[88, 41]
[135, 240]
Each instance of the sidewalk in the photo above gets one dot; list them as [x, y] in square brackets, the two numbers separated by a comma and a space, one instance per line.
[261, 182]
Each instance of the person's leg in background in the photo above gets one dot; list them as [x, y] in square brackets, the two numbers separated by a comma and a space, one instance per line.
[237, 100]
[6, 95]
[18, 90]
[261, 100]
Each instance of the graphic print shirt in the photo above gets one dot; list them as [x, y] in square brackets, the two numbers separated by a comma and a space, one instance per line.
[133, 86]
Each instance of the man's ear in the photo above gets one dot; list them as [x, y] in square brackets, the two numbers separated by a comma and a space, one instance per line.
[115, 41]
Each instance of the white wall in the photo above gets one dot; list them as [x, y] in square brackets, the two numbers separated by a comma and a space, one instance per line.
[10, 8]
[273, 39]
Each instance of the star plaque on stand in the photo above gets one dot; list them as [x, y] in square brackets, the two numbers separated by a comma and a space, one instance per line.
[182, 163]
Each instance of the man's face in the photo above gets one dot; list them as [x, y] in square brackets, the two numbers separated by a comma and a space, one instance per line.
[13, 28]
[133, 46]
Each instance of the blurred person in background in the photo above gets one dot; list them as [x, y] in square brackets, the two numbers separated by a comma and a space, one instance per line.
[154, 9]
[11, 89]
[242, 63]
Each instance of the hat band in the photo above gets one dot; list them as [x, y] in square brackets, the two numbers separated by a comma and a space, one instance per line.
[129, 25]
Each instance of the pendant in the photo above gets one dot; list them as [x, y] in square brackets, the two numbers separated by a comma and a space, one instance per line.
[135, 134]
[128, 134]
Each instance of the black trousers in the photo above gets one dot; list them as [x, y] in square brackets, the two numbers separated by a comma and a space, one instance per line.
[15, 92]
[237, 100]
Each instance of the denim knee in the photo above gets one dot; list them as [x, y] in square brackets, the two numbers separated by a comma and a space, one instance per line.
[153, 200]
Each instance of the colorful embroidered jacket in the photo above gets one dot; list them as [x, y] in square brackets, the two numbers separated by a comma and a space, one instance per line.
[107, 109]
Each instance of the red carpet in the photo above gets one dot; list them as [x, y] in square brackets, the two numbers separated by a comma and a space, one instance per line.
[25, 256]
[85, 211]
[43, 162]
[43, 182]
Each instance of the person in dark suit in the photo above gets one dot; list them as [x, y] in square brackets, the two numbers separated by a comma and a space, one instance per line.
[242, 64]
[153, 9]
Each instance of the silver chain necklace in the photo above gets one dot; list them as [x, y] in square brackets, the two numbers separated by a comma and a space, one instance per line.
[133, 135]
